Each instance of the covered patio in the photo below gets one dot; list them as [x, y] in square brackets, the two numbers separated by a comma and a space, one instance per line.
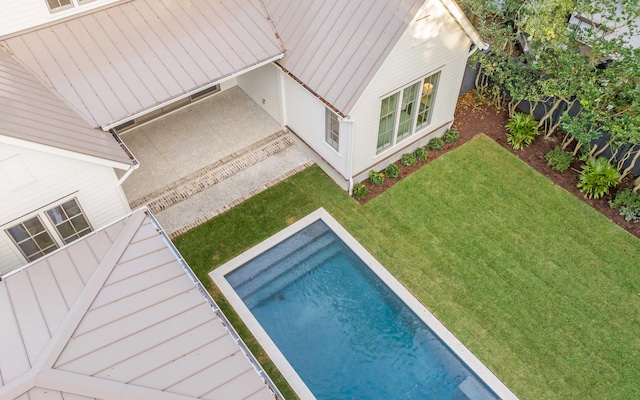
[206, 156]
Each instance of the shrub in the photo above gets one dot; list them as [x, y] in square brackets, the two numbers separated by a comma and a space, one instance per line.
[376, 178]
[435, 144]
[627, 202]
[408, 160]
[558, 159]
[451, 135]
[597, 177]
[523, 128]
[360, 191]
[420, 153]
[392, 171]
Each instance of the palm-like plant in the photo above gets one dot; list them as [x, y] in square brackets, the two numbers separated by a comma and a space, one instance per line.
[597, 177]
[523, 128]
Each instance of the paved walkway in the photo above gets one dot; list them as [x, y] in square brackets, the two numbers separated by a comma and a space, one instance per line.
[204, 159]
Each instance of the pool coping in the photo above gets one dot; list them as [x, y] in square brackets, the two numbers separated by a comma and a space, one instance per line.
[280, 361]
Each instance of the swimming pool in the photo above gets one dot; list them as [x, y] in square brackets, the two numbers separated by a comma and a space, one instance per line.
[338, 325]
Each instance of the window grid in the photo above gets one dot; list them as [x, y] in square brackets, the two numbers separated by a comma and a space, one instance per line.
[32, 238]
[36, 237]
[406, 111]
[55, 5]
[69, 221]
[387, 121]
[332, 129]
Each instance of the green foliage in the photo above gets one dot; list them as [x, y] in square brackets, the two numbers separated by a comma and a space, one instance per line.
[597, 177]
[558, 159]
[627, 202]
[420, 153]
[360, 190]
[523, 128]
[451, 135]
[392, 171]
[376, 178]
[408, 160]
[435, 144]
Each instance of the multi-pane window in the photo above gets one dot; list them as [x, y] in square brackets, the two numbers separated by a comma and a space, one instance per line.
[55, 5]
[332, 129]
[32, 238]
[405, 111]
[69, 221]
[50, 229]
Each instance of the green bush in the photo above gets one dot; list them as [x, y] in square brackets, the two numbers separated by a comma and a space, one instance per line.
[392, 171]
[408, 160]
[376, 178]
[451, 135]
[627, 202]
[523, 128]
[597, 177]
[360, 190]
[558, 159]
[435, 144]
[420, 153]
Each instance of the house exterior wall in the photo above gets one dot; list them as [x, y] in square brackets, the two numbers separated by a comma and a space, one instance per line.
[305, 115]
[45, 179]
[262, 86]
[16, 16]
[432, 44]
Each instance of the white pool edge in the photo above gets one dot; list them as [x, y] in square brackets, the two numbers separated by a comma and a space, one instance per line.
[292, 377]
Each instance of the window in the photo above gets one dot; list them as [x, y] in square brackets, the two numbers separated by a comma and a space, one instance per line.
[50, 229]
[56, 5]
[332, 129]
[32, 238]
[406, 111]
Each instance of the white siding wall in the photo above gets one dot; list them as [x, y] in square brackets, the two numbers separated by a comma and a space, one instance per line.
[436, 43]
[18, 15]
[51, 178]
[262, 86]
[305, 114]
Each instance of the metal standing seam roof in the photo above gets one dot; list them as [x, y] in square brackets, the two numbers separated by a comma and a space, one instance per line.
[114, 315]
[336, 47]
[122, 60]
[30, 112]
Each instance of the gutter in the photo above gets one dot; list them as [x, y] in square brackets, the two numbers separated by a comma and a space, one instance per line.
[135, 163]
[350, 150]
[189, 93]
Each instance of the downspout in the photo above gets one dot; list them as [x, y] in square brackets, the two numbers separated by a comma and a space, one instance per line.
[351, 136]
[135, 163]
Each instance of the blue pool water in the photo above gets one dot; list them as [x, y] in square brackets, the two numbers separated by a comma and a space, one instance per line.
[347, 335]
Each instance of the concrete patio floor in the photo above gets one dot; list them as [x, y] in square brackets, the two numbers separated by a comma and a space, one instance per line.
[193, 137]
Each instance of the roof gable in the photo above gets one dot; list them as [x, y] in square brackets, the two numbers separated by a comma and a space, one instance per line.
[114, 315]
[335, 48]
[31, 114]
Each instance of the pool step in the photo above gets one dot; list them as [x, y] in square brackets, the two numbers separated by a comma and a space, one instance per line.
[298, 243]
[273, 270]
[292, 275]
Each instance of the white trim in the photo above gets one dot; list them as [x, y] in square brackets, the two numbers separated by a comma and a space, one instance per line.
[183, 96]
[454, 10]
[461, 351]
[63, 153]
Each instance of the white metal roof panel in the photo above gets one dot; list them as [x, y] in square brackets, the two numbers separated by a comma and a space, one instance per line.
[120, 61]
[335, 47]
[129, 320]
[30, 112]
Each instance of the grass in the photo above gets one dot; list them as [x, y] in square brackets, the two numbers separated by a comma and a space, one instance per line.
[541, 287]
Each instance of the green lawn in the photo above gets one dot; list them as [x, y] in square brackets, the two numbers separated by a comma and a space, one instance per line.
[542, 288]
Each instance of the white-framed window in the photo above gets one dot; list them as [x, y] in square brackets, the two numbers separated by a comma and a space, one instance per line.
[49, 229]
[59, 5]
[404, 112]
[332, 129]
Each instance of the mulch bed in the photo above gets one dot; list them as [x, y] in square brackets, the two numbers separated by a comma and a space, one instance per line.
[472, 118]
